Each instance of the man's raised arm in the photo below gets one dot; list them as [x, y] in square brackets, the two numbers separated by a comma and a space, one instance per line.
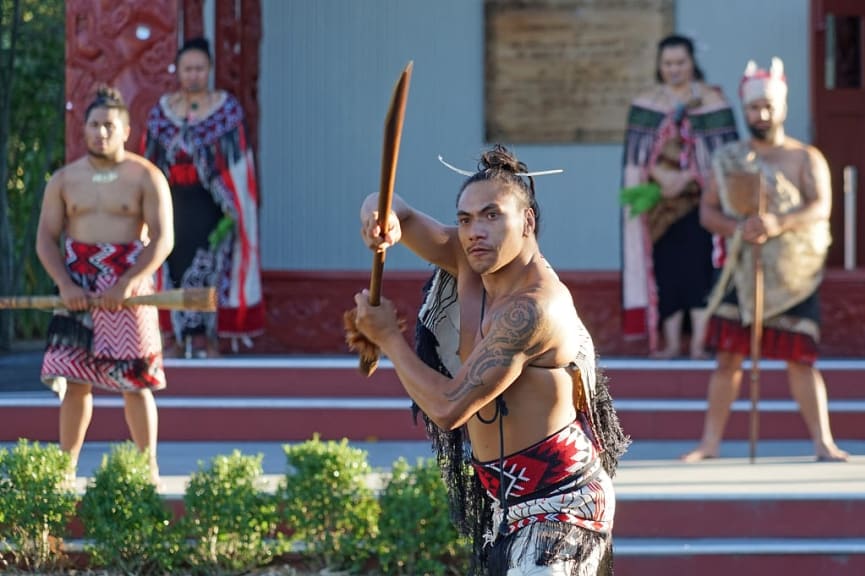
[425, 236]
[514, 338]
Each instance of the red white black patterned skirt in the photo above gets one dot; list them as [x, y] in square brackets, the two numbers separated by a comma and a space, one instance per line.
[114, 350]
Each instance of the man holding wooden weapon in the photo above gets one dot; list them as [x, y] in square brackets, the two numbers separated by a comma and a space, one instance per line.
[771, 197]
[111, 209]
[525, 386]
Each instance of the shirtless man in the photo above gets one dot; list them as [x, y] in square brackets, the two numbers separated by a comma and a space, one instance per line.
[793, 233]
[526, 361]
[104, 228]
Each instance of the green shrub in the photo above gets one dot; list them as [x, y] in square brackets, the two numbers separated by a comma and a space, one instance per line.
[125, 518]
[36, 504]
[328, 505]
[230, 518]
[416, 535]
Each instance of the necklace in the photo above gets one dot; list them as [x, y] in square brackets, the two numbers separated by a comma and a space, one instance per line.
[103, 176]
[189, 109]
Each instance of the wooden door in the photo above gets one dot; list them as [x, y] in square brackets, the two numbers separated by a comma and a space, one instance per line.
[838, 99]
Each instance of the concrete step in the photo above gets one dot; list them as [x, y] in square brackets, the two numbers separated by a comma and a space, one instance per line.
[34, 415]
[782, 494]
[827, 515]
[741, 556]
[779, 419]
[339, 376]
[718, 556]
[225, 419]
[649, 468]
[639, 378]
[322, 376]
[291, 398]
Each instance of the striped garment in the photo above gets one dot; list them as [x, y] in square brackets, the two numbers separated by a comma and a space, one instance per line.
[120, 350]
[710, 128]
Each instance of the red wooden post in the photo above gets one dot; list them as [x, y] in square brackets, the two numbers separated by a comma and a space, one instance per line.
[236, 56]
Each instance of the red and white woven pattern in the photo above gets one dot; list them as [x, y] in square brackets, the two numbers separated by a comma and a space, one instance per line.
[78, 365]
[126, 353]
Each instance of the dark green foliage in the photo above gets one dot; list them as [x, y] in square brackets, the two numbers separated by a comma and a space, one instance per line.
[230, 517]
[32, 120]
[334, 517]
[328, 504]
[416, 535]
[36, 504]
[125, 519]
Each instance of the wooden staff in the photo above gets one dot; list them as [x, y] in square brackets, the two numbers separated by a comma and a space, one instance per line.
[392, 135]
[199, 299]
[756, 332]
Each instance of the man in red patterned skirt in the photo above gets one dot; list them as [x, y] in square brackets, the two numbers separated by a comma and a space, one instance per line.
[105, 227]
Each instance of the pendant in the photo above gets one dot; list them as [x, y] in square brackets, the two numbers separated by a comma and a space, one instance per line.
[104, 177]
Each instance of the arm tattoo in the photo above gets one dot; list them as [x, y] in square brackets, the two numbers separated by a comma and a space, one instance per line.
[512, 331]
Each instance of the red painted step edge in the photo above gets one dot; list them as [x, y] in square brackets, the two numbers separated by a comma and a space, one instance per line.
[293, 424]
[831, 519]
[323, 382]
[740, 518]
[742, 564]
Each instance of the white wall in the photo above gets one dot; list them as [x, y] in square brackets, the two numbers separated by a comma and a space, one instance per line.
[328, 67]
[731, 32]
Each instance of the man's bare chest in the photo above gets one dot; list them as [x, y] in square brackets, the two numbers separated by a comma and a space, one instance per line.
[471, 303]
[783, 165]
[115, 198]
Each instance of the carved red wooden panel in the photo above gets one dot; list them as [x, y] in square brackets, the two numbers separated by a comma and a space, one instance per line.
[129, 45]
[193, 18]
[304, 310]
[236, 54]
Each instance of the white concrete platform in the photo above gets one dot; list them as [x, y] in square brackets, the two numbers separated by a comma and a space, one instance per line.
[783, 469]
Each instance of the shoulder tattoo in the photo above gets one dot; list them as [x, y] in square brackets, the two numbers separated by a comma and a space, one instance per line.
[513, 332]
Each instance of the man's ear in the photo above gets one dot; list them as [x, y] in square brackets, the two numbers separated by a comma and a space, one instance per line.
[529, 224]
